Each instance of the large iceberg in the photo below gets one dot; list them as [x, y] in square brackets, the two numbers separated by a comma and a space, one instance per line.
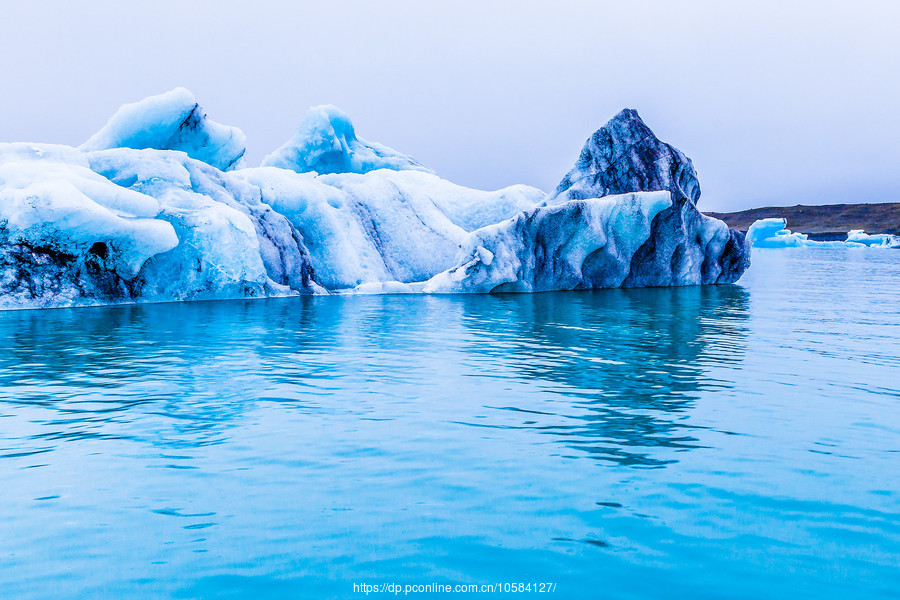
[158, 206]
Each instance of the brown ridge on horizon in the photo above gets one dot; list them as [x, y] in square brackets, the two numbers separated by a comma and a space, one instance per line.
[828, 221]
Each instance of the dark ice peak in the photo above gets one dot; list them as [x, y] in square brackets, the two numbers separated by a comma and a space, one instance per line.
[626, 156]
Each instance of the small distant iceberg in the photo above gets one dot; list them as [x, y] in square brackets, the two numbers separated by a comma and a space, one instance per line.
[773, 233]
[877, 240]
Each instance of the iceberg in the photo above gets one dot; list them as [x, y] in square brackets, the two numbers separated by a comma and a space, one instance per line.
[326, 142]
[773, 233]
[158, 206]
[877, 240]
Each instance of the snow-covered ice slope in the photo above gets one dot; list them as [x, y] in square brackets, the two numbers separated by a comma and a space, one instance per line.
[157, 206]
[231, 243]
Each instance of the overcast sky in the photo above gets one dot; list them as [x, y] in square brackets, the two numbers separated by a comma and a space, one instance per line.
[775, 102]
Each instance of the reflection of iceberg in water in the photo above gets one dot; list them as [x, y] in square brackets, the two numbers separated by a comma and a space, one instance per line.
[179, 375]
[611, 373]
[633, 361]
[193, 369]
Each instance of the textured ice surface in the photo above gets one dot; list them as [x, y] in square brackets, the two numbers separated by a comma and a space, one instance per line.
[126, 225]
[326, 142]
[172, 121]
[67, 233]
[625, 156]
[157, 207]
[591, 243]
[683, 245]
[232, 244]
[383, 225]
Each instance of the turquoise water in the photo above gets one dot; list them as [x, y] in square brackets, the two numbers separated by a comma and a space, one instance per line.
[721, 442]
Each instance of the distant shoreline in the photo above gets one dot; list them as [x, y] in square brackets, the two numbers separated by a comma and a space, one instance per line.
[825, 222]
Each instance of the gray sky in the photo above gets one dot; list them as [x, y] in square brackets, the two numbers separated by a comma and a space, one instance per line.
[776, 102]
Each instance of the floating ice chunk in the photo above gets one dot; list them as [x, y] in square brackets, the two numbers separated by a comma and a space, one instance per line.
[167, 220]
[172, 121]
[326, 142]
[881, 240]
[773, 233]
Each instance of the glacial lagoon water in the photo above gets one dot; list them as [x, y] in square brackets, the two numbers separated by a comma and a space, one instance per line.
[739, 441]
